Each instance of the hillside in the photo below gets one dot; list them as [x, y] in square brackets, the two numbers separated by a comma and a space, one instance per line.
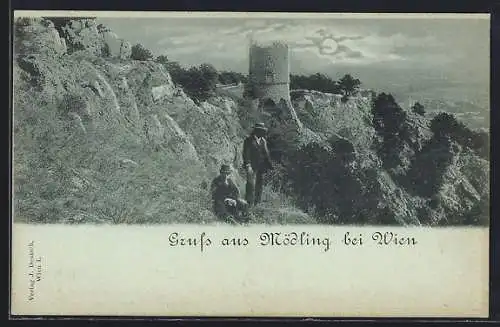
[419, 179]
[99, 137]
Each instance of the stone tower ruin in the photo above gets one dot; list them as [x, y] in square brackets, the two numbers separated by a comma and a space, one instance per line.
[269, 72]
[268, 83]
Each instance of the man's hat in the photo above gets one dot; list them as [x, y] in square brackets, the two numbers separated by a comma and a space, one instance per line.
[260, 126]
[225, 169]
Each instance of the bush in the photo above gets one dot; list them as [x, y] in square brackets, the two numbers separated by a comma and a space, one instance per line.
[322, 183]
[388, 121]
[349, 85]
[318, 82]
[418, 109]
[228, 77]
[199, 83]
[139, 52]
[388, 116]
[446, 125]
[346, 86]
[429, 166]
[176, 71]
[162, 59]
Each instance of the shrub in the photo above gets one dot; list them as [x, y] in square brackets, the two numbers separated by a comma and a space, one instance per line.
[446, 125]
[228, 77]
[418, 109]
[349, 85]
[318, 82]
[139, 52]
[162, 59]
[323, 182]
[429, 166]
[388, 121]
[199, 83]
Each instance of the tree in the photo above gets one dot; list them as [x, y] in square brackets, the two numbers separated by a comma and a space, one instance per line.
[418, 109]
[199, 82]
[101, 28]
[317, 82]
[481, 144]
[209, 74]
[162, 59]
[388, 116]
[177, 73]
[349, 85]
[389, 122]
[228, 77]
[445, 124]
[139, 52]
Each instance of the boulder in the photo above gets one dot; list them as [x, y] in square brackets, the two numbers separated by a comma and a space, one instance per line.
[127, 163]
[161, 91]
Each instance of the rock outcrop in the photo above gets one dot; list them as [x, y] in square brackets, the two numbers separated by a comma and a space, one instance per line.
[81, 35]
[115, 46]
[59, 35]
[437, 183]
[37, 36]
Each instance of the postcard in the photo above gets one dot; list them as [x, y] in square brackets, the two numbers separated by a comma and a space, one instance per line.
[211, 164]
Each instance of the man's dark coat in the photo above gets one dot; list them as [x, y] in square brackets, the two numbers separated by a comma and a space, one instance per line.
[221, 191]
[255, 154]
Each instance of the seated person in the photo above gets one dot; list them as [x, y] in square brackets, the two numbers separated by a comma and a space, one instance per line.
[227, 203]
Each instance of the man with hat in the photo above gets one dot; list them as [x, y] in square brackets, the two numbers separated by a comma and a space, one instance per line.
[256, 161]
[226, 197]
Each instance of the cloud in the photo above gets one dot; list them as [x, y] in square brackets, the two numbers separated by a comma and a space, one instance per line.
[337, 42]
[330, 45]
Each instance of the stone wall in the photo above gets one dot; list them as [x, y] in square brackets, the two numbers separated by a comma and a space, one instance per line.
[275, 92]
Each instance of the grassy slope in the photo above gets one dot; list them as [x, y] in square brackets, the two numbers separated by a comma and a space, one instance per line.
[101, 166]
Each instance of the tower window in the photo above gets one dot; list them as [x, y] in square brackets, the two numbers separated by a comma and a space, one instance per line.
[269, 77]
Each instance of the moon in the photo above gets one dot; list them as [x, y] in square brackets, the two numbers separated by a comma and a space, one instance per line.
[329, 46]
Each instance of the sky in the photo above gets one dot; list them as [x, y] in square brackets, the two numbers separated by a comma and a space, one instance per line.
[406, 54]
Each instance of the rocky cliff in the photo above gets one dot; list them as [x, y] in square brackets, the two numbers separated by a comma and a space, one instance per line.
[99, 137]
[434, 181]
